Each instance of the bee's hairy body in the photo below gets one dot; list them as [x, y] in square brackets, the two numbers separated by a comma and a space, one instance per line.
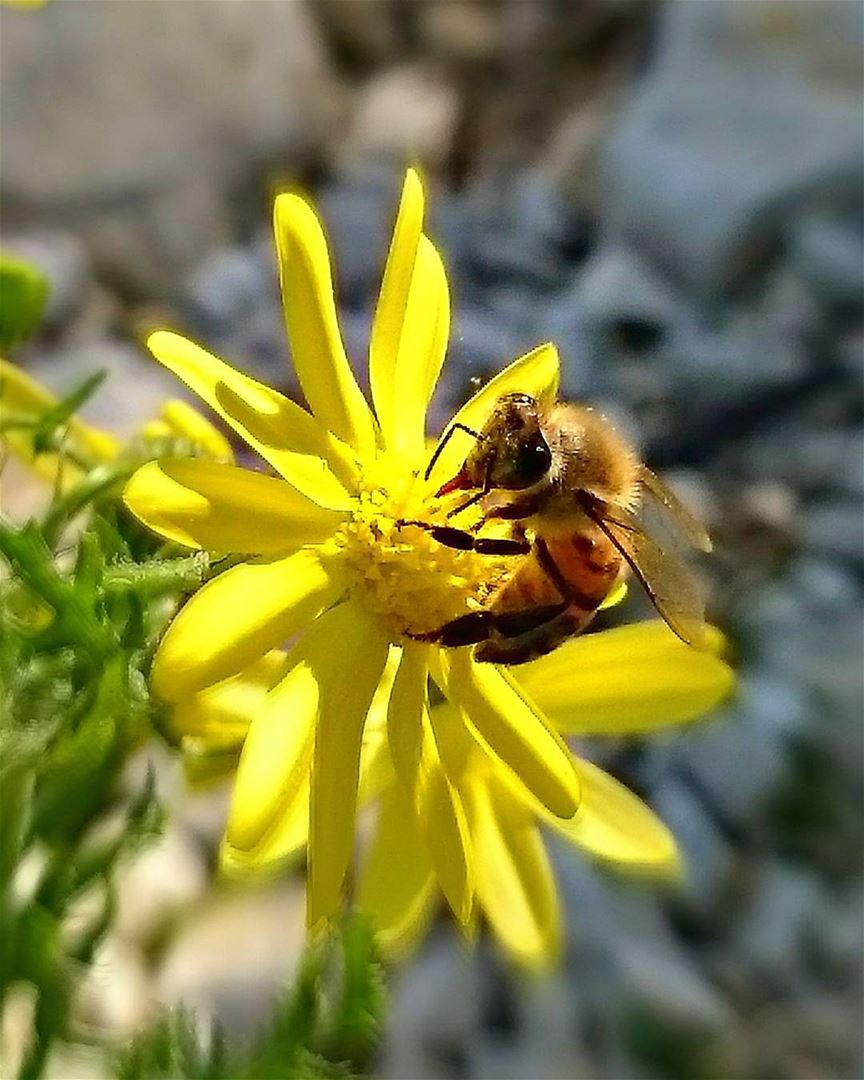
[571, 486]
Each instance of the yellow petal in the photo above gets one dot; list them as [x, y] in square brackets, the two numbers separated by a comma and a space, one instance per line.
[535, 373]
[288, 833]
[221, 714]
[628, 680]
[431, 797]
[345, 676]
[285, 838]
[389, 321]
[186, 422]
[285, 435]
[21, 396]
[313, 330]
[512, 729]
[396, 885]
[410, 329]
[616, 826]
[222, 508]
[239, 616]
[515, 885]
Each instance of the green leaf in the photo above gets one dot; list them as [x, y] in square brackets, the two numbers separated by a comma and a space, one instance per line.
[23, 292]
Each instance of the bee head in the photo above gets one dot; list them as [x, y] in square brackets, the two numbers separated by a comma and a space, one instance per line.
[511, 453]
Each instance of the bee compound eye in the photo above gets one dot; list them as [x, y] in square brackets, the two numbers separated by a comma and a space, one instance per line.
[533, 461]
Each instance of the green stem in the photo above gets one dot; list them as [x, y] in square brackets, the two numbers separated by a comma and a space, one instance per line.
[30, 559]
[157, 577]
[71, 502]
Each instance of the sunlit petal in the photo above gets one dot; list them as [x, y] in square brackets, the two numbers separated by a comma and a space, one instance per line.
[313, 330]
[432, 798]
[631, 679]
[411, 327]
[221, 714]
[345, 672]
[616, 826]
[396, 884]
[185, 421]
[221, 508]
[513, 730]
[515, 885]
[239, 616]
[536, 373]
[285, 435]
[389, 321]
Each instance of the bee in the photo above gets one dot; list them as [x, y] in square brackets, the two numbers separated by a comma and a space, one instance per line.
[578, 498]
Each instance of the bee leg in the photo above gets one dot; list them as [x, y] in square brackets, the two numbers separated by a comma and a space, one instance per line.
[466, 630]
[461, 540]
[516, 510]
[481, 626]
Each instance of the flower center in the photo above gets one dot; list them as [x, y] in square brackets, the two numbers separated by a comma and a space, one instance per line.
[413, 582]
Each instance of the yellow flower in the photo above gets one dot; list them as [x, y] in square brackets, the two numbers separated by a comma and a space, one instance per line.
[79, 446]
[628, 681]
[326, 558]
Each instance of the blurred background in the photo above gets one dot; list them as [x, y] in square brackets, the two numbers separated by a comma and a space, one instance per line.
[672, 192]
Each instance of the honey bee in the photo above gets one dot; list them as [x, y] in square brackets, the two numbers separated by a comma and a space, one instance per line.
[577, 496]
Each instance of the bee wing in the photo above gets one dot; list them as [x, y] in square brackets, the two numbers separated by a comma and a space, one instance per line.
[670, 586]
[691, 528]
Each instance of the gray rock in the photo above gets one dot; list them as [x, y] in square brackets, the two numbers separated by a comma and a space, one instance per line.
[407, 112]
[150, 141]
[707, 193]
[834, 526]
[133, 392]
[735, 766]
[813, 459]
[435, 1013]
[772, 929]
[231, 957]
[228, 285]
[826, 252]
[708, 857]
[359, 212]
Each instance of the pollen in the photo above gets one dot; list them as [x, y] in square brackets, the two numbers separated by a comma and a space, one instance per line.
[414, 583]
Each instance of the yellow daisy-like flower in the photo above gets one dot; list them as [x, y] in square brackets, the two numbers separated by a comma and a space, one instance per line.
[80, 446]
[628, 681]
[327, 559]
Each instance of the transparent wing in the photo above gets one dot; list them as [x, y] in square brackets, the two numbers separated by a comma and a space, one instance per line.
[670, 586]
[692, 529]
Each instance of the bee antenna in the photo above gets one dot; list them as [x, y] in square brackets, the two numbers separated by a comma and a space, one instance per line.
[448, 435]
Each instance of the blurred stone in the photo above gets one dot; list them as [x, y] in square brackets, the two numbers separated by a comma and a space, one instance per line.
[359, 212]
[772, 929]
[708, 857]
[230, 959]
[434, 1015]
[404, 113]
[133, 392]
[834, 527]
[63, 260]
[140, 161]
[825, 585]
[117, 995]
[712, 755]
[365, 32]
[815, 460]
[165, 880]
[709, 196]
[227, 285]
[826, 252]
[459, 31]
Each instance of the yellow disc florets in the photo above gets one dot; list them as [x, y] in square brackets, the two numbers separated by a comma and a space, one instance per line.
[413, 582]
